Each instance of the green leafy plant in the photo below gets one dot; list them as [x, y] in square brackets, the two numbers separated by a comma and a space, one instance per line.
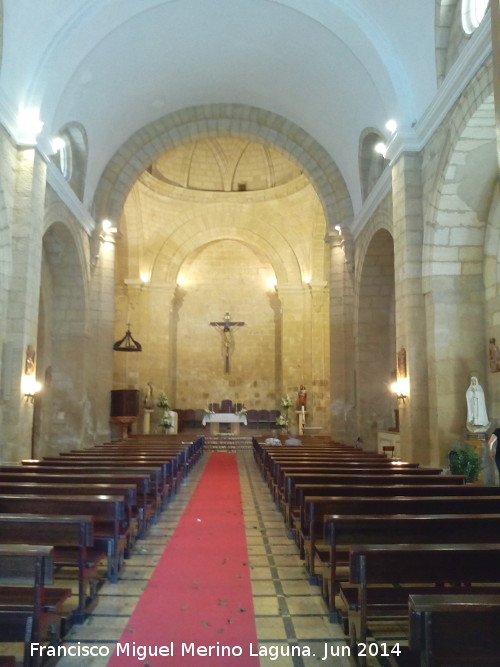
[465, 461]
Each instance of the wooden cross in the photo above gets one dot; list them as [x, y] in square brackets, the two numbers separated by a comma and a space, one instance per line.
[225, 328]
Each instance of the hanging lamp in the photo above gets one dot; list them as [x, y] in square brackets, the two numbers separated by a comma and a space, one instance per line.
[127, 343]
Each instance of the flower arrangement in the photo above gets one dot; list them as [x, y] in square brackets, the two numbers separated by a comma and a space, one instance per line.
[207, 411]
[282, 421]
[242, 410]
[162, 402]
[166, 420]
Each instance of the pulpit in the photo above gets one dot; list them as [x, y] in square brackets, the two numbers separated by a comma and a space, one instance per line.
[124, 409]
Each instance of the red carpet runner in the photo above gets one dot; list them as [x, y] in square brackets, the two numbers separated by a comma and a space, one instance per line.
[197, 608]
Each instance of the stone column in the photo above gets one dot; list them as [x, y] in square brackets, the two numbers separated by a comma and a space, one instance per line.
[296, 343]
[23, 300]
[342, 387]
[318, 387]
[410, 312]
[101, 339]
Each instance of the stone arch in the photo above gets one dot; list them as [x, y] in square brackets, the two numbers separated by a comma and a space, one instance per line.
[147, 143]
[169, 260]
[454, 258]
[375, 326]
[64, 409]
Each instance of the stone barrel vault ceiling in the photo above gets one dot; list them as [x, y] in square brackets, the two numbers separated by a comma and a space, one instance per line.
[331, 67]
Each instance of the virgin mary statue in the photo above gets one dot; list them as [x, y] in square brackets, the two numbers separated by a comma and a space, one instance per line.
[477, 417]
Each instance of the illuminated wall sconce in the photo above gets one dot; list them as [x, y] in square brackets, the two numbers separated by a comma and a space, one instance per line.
[401, 388]
[109, 231]
[29, 385]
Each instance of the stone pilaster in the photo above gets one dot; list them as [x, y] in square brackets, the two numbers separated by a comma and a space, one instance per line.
[101, 338]
[296, 336]
[342, 383]
[410, 313]
[23, 303]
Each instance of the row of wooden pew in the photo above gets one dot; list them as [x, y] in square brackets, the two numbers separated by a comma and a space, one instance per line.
[82, 511]
[391, 539]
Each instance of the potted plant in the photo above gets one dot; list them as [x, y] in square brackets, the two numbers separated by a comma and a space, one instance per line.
[465, 461]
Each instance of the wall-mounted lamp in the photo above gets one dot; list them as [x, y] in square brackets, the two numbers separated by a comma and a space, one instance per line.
[29, 384]
[109, 231]
[30, 387]
[401, 388]
[391, 126]
[381, 148]
[29, 126]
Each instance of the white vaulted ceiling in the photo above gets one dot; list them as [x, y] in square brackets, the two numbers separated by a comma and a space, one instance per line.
[331, 67]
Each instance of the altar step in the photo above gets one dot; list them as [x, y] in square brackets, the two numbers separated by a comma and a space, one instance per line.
[227, 442]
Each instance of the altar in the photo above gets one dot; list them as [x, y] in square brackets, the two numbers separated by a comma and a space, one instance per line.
[215, 419]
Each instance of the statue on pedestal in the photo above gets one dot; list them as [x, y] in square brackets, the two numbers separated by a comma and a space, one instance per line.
[148, 400]
[477, 416]
[302, 398]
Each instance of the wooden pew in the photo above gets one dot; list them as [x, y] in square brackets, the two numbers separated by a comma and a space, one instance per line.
[30, 611]
[397, 571]
[110, 522]
[269, 456]
[127, 491]
[343, 531]
[295, 477]
[157, 472]
[300, 491]
[278, 484]
[142, 511]
[171, 460]
[317, 507]
[72, 538]
[454, 629]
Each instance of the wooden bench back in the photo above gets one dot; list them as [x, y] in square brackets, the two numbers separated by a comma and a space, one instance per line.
[101, 507]
[299, 477]
[317, 507]
[400, 529]
[424, 563]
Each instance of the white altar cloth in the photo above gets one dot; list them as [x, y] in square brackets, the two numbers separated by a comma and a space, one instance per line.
[223, 418]
[217, 418]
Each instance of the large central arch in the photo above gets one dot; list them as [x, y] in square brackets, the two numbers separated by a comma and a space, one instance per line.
[210, 120]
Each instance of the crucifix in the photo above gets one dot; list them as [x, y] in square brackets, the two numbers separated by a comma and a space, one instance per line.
[225, 328]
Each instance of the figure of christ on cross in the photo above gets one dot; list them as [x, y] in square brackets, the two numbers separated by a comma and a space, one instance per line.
[225, 328]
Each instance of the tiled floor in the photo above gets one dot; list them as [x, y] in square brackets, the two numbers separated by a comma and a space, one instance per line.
[290, 615]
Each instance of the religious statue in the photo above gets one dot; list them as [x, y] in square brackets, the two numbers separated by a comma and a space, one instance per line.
[149, 402]
[302, 398]
[494, 356]
[226, 328]
[477, 417]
